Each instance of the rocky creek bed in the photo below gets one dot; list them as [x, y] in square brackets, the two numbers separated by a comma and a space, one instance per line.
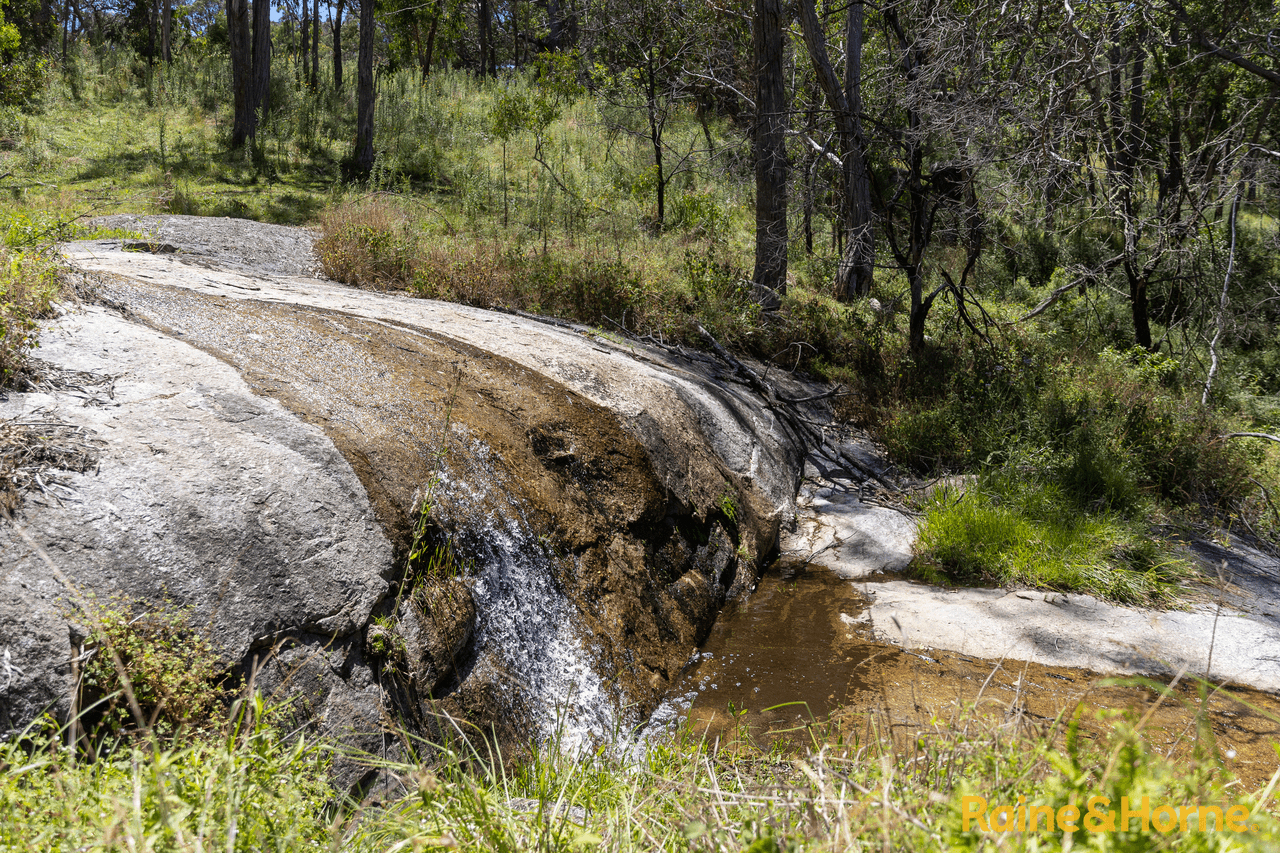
[269, 444]
[257, 445]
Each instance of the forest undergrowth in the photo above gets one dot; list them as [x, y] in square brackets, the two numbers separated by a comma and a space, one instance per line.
[531, 193]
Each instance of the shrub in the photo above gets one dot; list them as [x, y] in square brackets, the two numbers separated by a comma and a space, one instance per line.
[367, 244]
[173, 671]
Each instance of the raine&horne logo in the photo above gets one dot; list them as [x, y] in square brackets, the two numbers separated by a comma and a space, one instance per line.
[1098, 815]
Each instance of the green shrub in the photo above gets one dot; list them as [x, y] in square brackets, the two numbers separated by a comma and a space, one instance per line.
[173, 670]
[367, 245]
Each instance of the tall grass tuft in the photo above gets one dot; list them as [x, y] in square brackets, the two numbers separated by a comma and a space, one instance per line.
[1016, 531]
[884, 787]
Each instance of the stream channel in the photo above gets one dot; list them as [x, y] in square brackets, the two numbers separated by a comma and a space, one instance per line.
[796, 660]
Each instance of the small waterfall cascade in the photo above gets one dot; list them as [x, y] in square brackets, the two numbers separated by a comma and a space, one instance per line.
[526, 634]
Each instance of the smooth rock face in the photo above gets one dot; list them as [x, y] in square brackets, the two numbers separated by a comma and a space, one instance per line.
[1078, 631]
[274, 438]
[205, 496]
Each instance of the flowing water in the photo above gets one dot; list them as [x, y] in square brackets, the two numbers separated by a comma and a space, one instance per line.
[526, 628]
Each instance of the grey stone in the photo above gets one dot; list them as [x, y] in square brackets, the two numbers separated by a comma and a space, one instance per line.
[265, 453]
[205, 497]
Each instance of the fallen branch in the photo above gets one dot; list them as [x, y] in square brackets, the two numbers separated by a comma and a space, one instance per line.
[1059, 291]
[775, 402]
[538, 318]
[752, 378]
[1274, 438]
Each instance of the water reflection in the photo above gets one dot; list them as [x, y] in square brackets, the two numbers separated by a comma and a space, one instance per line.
[792, 652]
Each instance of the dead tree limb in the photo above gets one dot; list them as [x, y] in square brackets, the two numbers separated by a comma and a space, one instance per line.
[782, 406]
[1274, 438]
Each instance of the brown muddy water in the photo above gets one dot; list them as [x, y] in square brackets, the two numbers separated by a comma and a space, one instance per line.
[797, 661]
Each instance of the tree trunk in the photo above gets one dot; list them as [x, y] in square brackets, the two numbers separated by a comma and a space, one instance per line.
[261, 62]
[555, 25]
[305, 45]
[484, 22]
[362, 157]
[770, 150]
[166, 32]
[857, 265]
[153, 31]
[1129, 137]
[315, 44]
[656, 124]
[431, 38]
[337, 47]
[418, 47]
[242, 127]
[515, 33]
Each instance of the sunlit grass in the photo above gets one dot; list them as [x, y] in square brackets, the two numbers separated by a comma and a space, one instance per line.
[892, 788]
[1022, 532]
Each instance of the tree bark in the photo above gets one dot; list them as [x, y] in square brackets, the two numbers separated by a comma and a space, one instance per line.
[555, 26]
[315, 44]
[484, 22]
[770, 150]
[261, 93]
[857, 268]
[337, 47]
[153, 31]
[656, 127]
[166, 32]
[242, 127]
[362, 157]
[304, 47]
[431, 38]
[855, 272]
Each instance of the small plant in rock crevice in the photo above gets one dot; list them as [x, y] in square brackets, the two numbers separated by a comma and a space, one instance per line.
[174, 671]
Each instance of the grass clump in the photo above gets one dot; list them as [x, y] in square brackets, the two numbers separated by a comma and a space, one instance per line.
[250, 791]
[900, 787]
[379, 243]
[29, 285]
[1017, 532]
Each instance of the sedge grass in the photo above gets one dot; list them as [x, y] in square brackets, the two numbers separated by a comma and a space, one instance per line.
[900, 787]
[1022, 532]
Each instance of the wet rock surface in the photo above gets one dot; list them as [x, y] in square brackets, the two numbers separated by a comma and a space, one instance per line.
[601, 501]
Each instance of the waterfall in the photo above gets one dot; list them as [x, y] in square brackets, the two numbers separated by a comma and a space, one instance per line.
[526, 627]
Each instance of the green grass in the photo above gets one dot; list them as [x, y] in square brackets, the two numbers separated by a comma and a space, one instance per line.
[255, 789]
[1010, 531]
[29, 285]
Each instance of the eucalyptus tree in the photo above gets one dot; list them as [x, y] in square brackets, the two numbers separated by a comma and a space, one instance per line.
[844, 99]
[362, 153]
[770, 150]
[244, 121]
[335, 27]
[646, 48]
